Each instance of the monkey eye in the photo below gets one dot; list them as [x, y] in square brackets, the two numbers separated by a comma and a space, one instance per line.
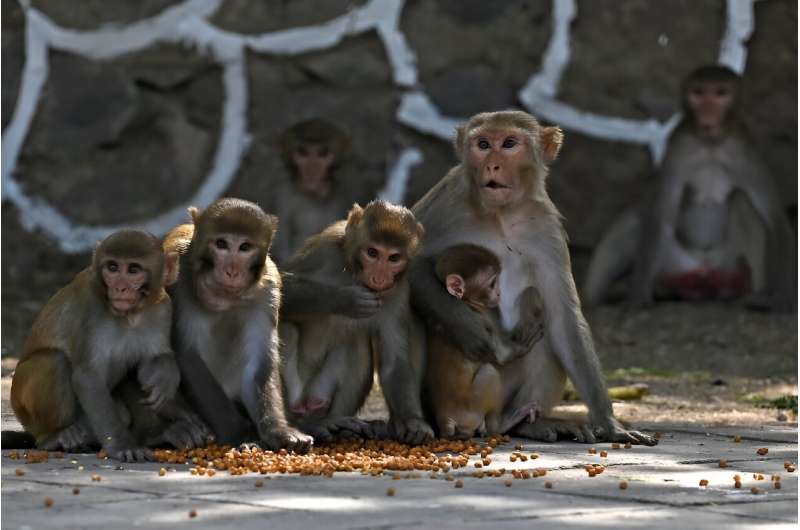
[394, 258]
[112, 266]
[483, 144]
[508, 143]
[244, 247]
[134, 268]
[722, 92]
[221, 244]
[372, 252]
[323, 151]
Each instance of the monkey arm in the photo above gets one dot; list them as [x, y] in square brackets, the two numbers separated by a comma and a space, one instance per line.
[95, 399]
[401, 365]
[780, 259]
[570, 339]
[658, 225]
[462, 326]
[207, 397]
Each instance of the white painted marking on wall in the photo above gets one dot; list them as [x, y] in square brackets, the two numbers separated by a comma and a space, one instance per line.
[399, 175]
[186, 23]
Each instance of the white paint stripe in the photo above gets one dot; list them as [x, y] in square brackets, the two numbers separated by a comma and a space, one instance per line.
[740, 17]
[185, 23]
[399, 175]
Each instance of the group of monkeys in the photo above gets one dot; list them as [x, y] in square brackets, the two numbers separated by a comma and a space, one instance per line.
[464, 305]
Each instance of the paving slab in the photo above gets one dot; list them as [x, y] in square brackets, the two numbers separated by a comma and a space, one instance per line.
[663, 491]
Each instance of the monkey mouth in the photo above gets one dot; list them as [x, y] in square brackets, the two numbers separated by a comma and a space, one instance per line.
[121, 306]
[494, 185]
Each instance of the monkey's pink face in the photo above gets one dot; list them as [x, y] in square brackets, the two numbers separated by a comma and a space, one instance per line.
[313, 162]
[497, 156]
[380, 266]
[710, 101]
[233, 257]
[124, 280]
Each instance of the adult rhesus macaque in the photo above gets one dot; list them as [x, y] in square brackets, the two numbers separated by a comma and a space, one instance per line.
[313, 152]
[227, 301]
[714, 227]
[496, 198]
[469, 396]
[113, 317]
[346, 301]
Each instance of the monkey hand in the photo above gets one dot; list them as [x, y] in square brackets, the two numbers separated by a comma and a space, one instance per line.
[188, 432]
[125, 450]
[611, 430]
[286, 438]
[356, 301]
[159, 378]
[413, 431]
[525, 336]
[344, 428]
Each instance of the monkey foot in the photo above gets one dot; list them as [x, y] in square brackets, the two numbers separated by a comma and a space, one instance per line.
[550, 430]
[287, 438]
[73, 439]
[526, 413]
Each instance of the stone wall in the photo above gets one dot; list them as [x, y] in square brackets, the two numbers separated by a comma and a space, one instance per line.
[137, 113]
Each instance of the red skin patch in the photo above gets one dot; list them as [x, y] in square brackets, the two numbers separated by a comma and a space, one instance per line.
[707, 284]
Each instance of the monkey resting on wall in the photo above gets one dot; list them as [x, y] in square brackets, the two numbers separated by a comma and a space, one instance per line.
[113, 317]
[714, 228]
[496, 198]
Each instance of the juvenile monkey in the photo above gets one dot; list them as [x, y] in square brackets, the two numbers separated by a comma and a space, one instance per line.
[496, 198]
[469, 396]
[113, 317]
[227, 301]
[345, 304]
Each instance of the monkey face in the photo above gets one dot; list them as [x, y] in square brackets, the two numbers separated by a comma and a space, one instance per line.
[233, 258]
[497, 156]
[124, 280]
[313, 163]
[710, 102]
[484, 288]
[380, 266]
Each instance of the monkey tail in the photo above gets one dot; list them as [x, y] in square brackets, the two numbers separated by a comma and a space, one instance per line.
[17, 440]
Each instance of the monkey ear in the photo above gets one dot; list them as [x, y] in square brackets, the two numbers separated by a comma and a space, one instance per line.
[455, 285]
[194, 213]
[461, 136]
[355, 215]
[551, 139]
[170, 268]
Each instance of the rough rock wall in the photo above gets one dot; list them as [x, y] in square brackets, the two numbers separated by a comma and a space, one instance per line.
[137, 113]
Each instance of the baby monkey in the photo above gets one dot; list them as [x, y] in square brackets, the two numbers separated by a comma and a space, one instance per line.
[469, 396]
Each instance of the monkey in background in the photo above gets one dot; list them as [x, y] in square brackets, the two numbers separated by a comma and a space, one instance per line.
[346, 310]
[714, 227]
[227, 300]
[314, 152]
[469, 396]
[113, 317]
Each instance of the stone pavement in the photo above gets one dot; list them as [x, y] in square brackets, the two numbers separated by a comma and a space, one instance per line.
[663, 491]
